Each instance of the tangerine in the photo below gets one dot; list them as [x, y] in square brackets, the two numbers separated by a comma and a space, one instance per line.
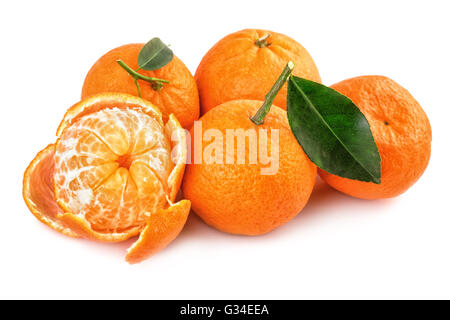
[400, 129]
[245, 64]
[113, 173]
[235, 196]
[178, 97]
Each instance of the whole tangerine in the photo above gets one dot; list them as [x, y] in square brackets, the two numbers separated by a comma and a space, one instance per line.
[400, 129]
[236, 197]
[245, 64]
[178, 97]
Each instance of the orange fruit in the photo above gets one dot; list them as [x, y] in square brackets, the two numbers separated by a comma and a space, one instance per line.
[235, 196]
[113, 173]
[179, 97]
[240, 67]
[401, 131]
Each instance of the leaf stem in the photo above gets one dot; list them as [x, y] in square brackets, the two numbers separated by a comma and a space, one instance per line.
[258, 118]
[153, 81]
[138, 87]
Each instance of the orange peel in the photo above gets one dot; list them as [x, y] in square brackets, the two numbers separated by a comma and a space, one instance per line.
[162, 227]
[38, 191]
[113, 173]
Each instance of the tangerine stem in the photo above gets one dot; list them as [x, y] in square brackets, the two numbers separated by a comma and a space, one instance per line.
[262, 42]
[258, 118]
[137, 76]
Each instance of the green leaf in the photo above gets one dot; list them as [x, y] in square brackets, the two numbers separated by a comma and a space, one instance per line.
[154, 55]
[332, 131]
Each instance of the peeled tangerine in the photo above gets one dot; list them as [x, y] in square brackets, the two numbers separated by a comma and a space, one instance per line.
[113, 173]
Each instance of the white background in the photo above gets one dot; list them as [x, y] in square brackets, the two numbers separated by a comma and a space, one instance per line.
[337, 247]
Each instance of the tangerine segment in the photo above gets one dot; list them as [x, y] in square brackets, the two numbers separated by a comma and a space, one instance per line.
[121, 176]
[161, 229]
[38, 191]
[82, 227]
[102, 101]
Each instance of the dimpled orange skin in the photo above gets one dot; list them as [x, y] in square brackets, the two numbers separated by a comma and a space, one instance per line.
[401, 131]
[236, 68]
[179, 97]
[236, 198]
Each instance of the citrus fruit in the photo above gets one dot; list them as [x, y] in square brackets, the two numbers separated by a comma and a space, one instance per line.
[178, 97]
[245, 64]
[236, 196]
[400, 129]
[113, 173]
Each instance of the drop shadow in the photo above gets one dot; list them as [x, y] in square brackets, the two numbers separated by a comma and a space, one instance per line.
[326, 201]
[196, 227]
[113, 249]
